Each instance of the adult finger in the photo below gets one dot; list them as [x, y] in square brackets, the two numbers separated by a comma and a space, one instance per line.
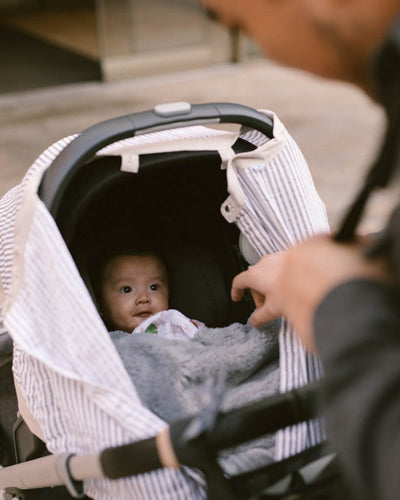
[239, 285]
[258, 298]
[261, 316]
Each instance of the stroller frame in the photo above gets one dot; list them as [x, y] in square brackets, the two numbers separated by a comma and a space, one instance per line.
[169, 449]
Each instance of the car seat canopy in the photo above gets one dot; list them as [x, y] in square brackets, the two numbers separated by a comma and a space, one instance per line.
[171, 204]
[60, 342]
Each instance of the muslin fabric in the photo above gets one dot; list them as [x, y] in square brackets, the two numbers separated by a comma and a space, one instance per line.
[65, 364]
[281, 208]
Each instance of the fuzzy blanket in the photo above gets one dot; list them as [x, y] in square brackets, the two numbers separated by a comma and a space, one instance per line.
[177, 379]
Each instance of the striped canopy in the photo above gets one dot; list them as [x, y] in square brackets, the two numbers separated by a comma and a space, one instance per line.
[66, 367]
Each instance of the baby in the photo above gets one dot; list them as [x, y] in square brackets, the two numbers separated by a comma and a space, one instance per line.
[174, 375]
[133, 287]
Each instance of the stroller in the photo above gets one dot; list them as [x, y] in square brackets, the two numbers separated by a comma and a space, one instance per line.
[215, 201]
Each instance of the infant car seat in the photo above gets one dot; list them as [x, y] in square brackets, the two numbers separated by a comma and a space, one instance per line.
[173, 202]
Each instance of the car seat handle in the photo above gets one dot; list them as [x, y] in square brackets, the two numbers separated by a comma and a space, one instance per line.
[162, 117]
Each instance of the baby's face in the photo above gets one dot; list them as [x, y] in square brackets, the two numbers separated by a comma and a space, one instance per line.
[133, 288]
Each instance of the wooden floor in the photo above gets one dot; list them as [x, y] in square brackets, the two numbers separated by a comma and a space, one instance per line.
[87, 37]
[75, 30]
[121, 28]
[30, 62]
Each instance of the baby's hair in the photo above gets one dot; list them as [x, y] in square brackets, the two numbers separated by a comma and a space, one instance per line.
[100, 260]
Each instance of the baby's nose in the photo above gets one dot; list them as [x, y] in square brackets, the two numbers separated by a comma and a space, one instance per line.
[143, 298]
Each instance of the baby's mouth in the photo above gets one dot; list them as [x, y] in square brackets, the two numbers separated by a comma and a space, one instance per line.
[143, 314]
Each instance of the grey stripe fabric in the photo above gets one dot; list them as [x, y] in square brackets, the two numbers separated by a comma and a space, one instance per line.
[66, 366]
[71, 367]
[282, 208]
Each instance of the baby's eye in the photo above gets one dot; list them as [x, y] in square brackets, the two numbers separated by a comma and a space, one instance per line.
[154, 287]
[126, 289]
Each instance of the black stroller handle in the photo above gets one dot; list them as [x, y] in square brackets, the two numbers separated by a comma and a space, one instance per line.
[162, 117]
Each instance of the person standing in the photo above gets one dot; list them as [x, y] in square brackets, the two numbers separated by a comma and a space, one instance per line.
[341, 297]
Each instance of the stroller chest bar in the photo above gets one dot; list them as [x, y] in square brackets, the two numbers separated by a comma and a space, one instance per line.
[70, 470]
[167, 449]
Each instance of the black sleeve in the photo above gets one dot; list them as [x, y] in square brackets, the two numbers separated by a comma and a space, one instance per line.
[357, 329]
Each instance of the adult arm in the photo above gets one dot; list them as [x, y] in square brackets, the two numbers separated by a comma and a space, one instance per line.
[293, 283]
[342, 305]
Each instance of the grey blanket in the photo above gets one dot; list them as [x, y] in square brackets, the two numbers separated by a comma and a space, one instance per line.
[175, 379]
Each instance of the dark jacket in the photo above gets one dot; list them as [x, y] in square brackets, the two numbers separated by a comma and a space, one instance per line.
[357, 329]
[358, 337]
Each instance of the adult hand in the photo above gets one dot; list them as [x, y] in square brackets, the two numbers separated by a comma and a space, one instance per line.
[293, 283]
[263, 280]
